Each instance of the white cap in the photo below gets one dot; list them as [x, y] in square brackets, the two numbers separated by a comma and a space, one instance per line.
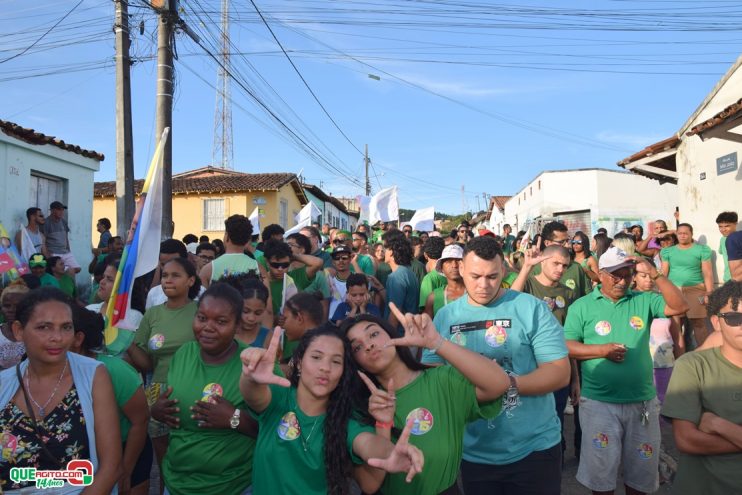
[450, 252]
[614, 259]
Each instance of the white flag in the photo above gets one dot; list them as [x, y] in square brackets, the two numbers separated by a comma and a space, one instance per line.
[384, 206]
[422, 220]
[309, 212]
[363, 204]
[296, 228]
[255, 220]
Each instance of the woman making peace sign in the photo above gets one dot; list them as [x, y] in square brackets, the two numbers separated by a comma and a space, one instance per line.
[438, 401]
[307, 440]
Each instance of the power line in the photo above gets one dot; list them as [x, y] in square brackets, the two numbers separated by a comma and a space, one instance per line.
[43, 35]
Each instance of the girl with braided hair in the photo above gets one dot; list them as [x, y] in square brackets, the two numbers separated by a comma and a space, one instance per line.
[309, 436]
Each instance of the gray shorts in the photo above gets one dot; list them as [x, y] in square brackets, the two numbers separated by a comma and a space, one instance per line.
[613, 434]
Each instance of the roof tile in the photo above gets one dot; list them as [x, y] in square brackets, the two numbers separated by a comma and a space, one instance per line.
[33, 137]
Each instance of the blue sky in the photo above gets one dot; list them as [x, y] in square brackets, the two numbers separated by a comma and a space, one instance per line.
[473, 93]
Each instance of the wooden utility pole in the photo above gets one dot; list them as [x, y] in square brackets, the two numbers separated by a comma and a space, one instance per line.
[367, 161]
[164, 113]
[124, 141]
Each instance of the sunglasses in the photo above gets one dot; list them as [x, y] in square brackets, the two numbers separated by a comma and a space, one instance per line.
[338, 241]
[280, 265]
[577, 242]
[733, 318]
[341, 258]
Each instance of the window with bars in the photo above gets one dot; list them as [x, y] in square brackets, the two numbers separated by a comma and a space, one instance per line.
[213, 215]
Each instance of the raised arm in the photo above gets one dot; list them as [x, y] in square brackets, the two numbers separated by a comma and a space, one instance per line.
[490, 381]
[531, 258]
[257, 373]
[313, 263]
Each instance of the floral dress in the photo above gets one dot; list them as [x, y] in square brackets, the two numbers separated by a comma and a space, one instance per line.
[63, 432]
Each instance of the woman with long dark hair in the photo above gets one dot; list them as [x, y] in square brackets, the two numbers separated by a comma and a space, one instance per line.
[440, 401]
[582, 255]
[308, 438]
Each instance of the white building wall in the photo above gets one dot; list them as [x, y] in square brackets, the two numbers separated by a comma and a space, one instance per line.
[613, 198]
[17, 162]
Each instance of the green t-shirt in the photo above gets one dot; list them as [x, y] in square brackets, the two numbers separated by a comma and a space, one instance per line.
[507, 246]
[162, 332]
[723, 252]
[289, 456]
[49, 280]
[595, 319]
[206, 460]
[301, 280]
[574, 277]
[431, 281]
[441, 402]
[383, 271]
[685, 264]
[418, 268]
[67, 285]
[319, 284]
[706, 381]
[232, 264]
[366, 265]
[558, 298]
[125, 381]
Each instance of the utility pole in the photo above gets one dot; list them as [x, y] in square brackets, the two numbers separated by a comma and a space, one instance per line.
[222, 153]
[124, 141]
[367, 161]
[164, 112]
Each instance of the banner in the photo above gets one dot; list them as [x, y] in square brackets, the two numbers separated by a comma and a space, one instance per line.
[384, 206]
[423, 219]
[255, 220]
[140, 256]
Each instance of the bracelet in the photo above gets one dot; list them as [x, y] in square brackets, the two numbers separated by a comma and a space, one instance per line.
[658, 275]
[435, 349]
[385, 426]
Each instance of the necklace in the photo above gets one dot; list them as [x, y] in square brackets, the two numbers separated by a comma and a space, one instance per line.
[42, 409]
[305, 444]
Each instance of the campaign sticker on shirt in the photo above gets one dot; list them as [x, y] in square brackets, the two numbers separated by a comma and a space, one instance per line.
[211, 392]
[422, 421]
[600, 441]
[459, 339]
[560, 302]
[550, 302]
[570, 282]
[636, 323]
[495, 336]
[645, 451]
[8, 445]
[603, 328]
[288, 427]
[156, 341]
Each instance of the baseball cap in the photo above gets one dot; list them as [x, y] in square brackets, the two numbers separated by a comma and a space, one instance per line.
[37, 259]
[483, 232]
[191, 247]
[614, 259]
[450, 252]
[56, 205]
[340, 250]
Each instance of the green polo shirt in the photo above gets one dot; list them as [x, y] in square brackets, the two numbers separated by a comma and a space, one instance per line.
[595, 319]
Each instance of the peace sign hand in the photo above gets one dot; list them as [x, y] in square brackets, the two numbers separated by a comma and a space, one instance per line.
[381, 403]
[258, 363]
[419, 330]
[404, 458]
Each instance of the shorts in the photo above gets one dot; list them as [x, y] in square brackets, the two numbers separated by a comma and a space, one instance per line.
[613, 434]
[69, 260]
[153, 392]
[694, 295]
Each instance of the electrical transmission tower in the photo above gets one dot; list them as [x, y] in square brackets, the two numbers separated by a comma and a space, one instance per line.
[222, 152]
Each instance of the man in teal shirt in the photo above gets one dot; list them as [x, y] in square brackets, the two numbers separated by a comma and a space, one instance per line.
[520, 450]
[608, 330]
[727, 222]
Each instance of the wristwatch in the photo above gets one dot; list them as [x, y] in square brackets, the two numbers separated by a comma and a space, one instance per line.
[512, 391]
[234, 421]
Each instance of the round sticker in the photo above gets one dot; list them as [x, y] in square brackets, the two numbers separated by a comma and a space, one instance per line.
[156, 341]
[8, 445]
[570, 283]
[422, 421]
[210, 392]
[603, 328]
[600, 441]
[495, 336]
[458, 338]
[636, 323]
[288, 427]
[560, 302]
[549, 302]
[645, 451]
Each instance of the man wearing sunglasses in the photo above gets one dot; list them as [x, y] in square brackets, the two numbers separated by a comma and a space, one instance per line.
[704, 400]
[608, 331]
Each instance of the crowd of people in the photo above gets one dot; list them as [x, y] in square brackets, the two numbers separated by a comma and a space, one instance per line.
[378, 360]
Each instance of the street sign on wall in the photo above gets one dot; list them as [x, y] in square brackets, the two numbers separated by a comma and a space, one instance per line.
[726, 164]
